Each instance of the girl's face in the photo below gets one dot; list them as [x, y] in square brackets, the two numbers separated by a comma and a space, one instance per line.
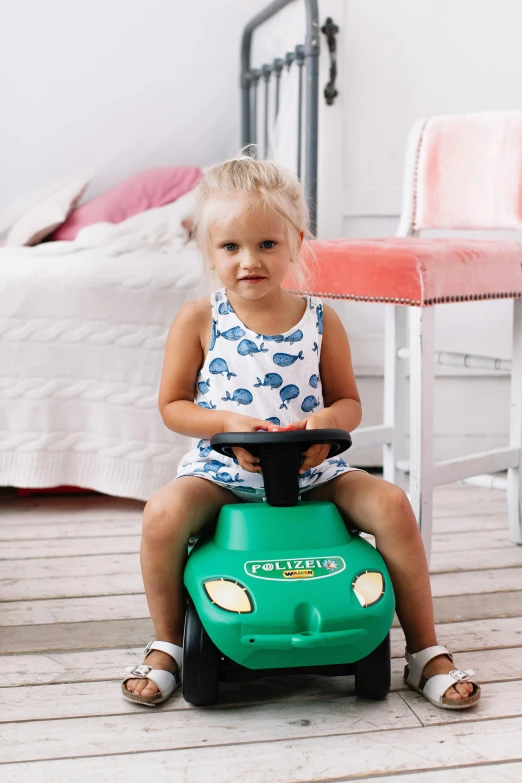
[251, 251]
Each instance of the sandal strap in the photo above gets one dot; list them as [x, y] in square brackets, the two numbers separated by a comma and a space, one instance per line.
[436, 686]
[165, 681]
[417, 661]
[173, 650]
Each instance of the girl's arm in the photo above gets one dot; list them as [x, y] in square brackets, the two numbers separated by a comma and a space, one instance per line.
[342, 404]
[184, 355]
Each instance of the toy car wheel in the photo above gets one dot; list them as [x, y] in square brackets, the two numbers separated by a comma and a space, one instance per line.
[373, 673]
[201, 662]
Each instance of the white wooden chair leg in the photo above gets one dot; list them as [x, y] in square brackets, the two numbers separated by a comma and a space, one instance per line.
[422, 325]
[395, 392]
[515, 428]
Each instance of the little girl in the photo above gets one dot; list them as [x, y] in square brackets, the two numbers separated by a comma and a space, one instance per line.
[253, 356]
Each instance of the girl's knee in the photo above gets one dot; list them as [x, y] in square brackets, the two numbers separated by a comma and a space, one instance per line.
[161, 522]
[388, 499]
[390, 511]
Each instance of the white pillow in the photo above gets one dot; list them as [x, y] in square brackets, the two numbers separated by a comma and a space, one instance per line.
[46, 215]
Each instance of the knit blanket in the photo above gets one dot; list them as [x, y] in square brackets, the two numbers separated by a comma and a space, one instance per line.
[82, 332]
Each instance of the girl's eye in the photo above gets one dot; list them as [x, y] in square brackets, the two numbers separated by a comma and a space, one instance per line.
[268, 244]
[229, 247]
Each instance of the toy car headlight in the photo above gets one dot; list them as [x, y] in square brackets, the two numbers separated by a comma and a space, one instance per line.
[228, 595]
[368, 587]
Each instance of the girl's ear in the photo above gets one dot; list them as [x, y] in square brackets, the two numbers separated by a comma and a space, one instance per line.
[299, 243]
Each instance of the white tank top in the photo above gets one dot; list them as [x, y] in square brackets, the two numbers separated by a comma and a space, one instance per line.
[272, 377]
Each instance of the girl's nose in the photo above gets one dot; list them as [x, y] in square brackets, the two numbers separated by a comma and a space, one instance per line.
[249, 260]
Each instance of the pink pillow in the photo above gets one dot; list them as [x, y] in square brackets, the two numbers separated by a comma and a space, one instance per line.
[148, 189]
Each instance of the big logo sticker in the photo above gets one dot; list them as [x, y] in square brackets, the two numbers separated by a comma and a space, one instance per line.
[295, 568]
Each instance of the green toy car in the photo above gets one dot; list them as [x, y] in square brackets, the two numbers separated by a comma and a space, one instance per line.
[283, 585]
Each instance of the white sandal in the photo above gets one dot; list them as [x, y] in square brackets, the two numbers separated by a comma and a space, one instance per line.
[166, 682]
[434, 688]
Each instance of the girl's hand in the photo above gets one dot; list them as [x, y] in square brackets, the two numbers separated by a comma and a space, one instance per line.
[317, 453]
[237, 422]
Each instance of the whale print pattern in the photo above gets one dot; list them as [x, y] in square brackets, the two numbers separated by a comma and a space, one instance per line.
[285, 359]
[272, 379]
[204, 386]
[241, 396]
[211, 466]
[259, 375]
[295, 337]
[236, 333]
[287, 393]
[249, 348]
[276, 338]
[214, 335]
[319, 323]
[204, 448]
[280, 338]
[225, 308]
[218, 367]
[309, 404]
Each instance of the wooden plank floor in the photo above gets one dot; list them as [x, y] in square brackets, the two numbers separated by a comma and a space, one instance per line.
[73, 615]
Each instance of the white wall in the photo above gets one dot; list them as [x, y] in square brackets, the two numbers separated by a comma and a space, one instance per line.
[108, 87]
[413, 58]
[113, 86]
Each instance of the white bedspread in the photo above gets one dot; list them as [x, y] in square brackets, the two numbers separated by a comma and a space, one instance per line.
[82, 333]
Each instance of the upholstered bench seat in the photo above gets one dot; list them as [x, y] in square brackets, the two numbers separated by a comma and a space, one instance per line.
[417, 271]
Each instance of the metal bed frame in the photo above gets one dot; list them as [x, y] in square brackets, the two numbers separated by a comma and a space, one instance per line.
[307, 55]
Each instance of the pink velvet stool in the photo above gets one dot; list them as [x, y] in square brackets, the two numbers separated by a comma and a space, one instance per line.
[462, 172]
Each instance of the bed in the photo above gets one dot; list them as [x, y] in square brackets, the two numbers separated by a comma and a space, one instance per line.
[83, 324]
[82, 336]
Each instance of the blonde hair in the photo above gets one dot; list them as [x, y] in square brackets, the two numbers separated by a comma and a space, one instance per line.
[270, 187]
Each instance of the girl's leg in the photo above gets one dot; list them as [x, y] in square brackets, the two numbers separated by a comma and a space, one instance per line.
[383, 510]
[172, 515]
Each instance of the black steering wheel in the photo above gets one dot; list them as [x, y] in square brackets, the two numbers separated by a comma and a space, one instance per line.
[280, 455]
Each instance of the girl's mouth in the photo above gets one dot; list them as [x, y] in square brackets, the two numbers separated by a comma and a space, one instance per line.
[252, 279]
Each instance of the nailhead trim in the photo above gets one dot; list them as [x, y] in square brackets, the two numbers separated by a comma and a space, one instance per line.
[473, 297]
[413, 218]
[412, 302]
